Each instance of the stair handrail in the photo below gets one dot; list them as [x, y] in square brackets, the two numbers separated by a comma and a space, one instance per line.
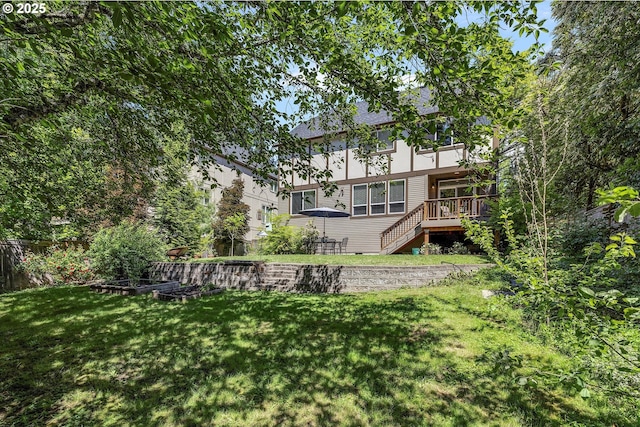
[402, 226]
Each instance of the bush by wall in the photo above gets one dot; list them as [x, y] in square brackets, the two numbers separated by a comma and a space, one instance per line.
[57, 266]
[126, 251]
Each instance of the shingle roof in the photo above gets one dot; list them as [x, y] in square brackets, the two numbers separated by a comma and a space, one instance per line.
[309, 129]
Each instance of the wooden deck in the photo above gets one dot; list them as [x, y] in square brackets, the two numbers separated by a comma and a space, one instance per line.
[434, 214]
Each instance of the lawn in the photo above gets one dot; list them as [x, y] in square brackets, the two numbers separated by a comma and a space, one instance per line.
[409, 357]
[397, 260]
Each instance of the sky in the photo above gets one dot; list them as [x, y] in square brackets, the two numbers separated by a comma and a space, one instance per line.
[522, 43]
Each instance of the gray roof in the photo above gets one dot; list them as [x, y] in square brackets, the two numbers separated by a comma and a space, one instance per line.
[309, 129]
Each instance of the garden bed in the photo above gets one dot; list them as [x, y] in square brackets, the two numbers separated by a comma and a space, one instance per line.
[125, 287]
[185, 293]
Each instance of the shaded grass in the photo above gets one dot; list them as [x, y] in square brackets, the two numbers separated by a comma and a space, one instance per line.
[407, 357]
[387, 260]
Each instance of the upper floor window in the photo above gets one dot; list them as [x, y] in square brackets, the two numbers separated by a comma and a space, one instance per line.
[443, 134]
[386, 142]
[301, 200]
[383, 142]
[205, 196]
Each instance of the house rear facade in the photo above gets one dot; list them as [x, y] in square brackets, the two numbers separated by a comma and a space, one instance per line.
[418, 197]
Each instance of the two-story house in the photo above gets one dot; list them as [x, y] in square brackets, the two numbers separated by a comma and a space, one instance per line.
[419, 197]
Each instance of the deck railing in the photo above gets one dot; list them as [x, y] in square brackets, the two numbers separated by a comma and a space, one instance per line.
[437, 209]
[454, 208]
[403, 225]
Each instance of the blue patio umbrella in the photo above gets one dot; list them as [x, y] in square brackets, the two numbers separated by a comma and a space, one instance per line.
[324, 213]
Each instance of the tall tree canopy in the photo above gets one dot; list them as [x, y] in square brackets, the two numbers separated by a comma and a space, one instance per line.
[102, 82]
[597, 45]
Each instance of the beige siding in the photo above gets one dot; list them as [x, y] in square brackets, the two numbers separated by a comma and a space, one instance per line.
[425, 161]
[418, 191]
[363, 232]
[356, 169]
[337, 162]
[298, 180]
[449, 158]
[379, 166]
[401, 159]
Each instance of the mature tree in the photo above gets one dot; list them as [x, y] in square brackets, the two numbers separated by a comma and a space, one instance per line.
[226, 231]
[123, 74]
[178, 213]
[597, 45]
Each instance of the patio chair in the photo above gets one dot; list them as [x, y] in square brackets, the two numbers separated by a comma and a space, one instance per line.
[330, 246]
[343, 245]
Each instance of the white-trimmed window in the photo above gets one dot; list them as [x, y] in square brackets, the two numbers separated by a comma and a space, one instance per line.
[444, 133]
[396, 196]
[301, 200]
[359, 200]
[377, 198]
[386, 141]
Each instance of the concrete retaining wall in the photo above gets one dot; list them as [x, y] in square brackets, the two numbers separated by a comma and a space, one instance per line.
[306, 278]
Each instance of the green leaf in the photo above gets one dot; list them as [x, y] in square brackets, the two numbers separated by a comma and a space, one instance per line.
[586, 291]
[117, 17]
[631, 312]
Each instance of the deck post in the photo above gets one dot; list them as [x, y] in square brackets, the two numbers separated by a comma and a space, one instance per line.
[426, 241]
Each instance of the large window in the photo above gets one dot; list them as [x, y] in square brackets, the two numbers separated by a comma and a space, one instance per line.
[384, 142]
[445, 133]
[379, 198]
[396, 196]
[301, 200]
[360, 200]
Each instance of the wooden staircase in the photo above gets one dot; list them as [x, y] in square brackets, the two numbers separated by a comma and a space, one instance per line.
[405, 230]
[431, 215]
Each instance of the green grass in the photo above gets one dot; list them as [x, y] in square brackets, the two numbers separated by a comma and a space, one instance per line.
[408, 357]
[400, 260]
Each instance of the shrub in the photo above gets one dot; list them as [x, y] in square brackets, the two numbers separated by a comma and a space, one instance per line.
[125, 251]
[458, 248]
[580, 234]
[58, 266]
[287, 239]
[434, 249]
[307, 239]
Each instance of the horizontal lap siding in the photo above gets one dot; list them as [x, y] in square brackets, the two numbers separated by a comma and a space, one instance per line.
[363, 232]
